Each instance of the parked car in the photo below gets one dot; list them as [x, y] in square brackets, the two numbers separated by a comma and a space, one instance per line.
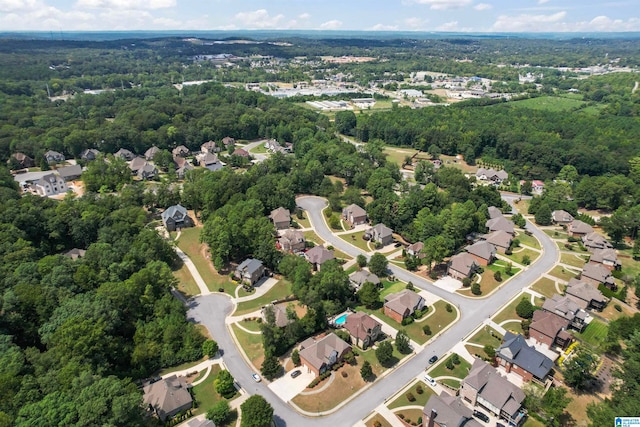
[429, 380]
[397, 245]
[500, 425]
[256, 377]
[481, 416]
[432, 360]
[295, 373]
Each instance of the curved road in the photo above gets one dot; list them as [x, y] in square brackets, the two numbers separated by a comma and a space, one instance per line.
[212, 309]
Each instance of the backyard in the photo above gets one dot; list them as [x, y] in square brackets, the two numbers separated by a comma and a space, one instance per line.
[594, 334]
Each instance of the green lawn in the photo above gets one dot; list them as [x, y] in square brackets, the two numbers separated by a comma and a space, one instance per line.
[410, 415]
[629, 265]
[251, 344]
[546, 287]
[555, 104]
[205, 394]
[484, 337]
[459, 371]
[251, 325]
[515, 326]
[478, 351]
[260, 149]
[186, 284]
[391, 287]
[378, 420]
[556, 234]
[573, 260]
[356, 240]
[519, 253]
[528, 240]
[280, 290]
[180, 367]
[397, 155]
[311, 236]
[421, 398]
[509, 312]
[304, 221]
[595, 333]
[563, 273]
[532, 422]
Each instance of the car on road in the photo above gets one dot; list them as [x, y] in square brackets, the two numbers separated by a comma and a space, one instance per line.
[256, 377]
[295, 373]
[429, 380]
[433, 359]
[481, 416]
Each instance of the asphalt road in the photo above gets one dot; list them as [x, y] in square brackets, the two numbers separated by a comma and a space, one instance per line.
[211, 311]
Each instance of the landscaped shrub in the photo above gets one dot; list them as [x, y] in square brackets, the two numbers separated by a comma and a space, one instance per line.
[526, 260]
[426, 329]
[448, 307]
[409, 286]
[220, 289]
[407, 321]
[475, 289]
[419, 389]
[497, 276]
[455, 359]
[466, 282]
[449, 365]
[401, 416]
[344, 374]
[617, 307]
[376, 423]
[433, 275]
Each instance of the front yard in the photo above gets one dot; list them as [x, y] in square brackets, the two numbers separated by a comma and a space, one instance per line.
[356, 240]
[527, 240]
[186, 284]
[205, 394]
[509, 312]
[546, 287]
[563, 273]
[420, 398]
[486, 336]
[280, 290]
[251, 344]
[459, 371]
[520, 253]
[573, 260]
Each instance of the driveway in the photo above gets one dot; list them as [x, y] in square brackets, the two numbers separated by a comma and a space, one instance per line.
[287, 388]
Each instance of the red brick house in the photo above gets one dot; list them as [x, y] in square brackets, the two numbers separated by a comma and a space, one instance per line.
[402, 304]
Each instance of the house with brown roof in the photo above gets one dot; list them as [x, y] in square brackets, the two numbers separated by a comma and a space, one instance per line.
[318, 255]
[360, 277]
[500, 239]
[167, 397]
[578, 228]
[482, 251]
[210, 147]
[415, 249]
[501, 223]
[586, 295]
[354, 215]
[241, 152]
[597, 274]
[515, 355]
[292, 241]
[125, 154]
[494, 212]
[23, 160]
[182, 170]
[281, 319]
[321, 354]
[75, 253]
[364, 329]
[561, 217]
[402, 304]
[147, 171]
[54, 157]
[462, 266]
[550, 329]
[151, 152]
[567, 308]
[606, 257]
[209, 161]
[593, 241]
[227, 141]
[136, 164]
[180, 151]
[485, 387]
[380, 233]
[281, 218]
[447, 411]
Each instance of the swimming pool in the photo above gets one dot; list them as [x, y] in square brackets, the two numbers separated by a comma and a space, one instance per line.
[340, 320]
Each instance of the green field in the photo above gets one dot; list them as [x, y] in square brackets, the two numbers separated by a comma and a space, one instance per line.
[555, 104]
[595, 333]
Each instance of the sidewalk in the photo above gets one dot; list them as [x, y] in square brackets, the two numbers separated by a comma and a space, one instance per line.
[260, 290]
[204, 289]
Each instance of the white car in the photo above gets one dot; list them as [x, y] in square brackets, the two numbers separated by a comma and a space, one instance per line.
[256, 377]
[429, 380]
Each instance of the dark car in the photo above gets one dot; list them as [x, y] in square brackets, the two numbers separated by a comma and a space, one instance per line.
[397, 245]
[500, 425]
[481, 416]
[295, 373]
[433, 359]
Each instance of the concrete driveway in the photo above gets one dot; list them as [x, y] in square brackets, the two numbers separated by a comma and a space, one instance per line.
[286, 388]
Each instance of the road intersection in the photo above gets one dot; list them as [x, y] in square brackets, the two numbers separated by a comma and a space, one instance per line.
[211, 310]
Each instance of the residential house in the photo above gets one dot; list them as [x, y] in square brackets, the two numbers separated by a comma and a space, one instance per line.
[578, 228]
[182, 171]
[275, 147]
[209, 161]
[364, 329]
[594, 241]
[491, 175]
[210, 147]
[292, 241]
[50, 184]
[89, 154]
[402, 304]
[380, 233]
[281, 218]
[447, 411]
[318, 255]
[147, 171]
[354, 215]
[180, 151]
[485, 387]
[561, 217]
[250, 271]
[75, 253]
[606, 257]
[416, 249]
[550, 329]
[241, 152]
[462, 266]
[125, 154]
[596, 274]
[69, 173]
[227, 141]
[500, 239]
[537, 186]
[501, 223]
[179, 162]
[482, 251]
[566, 307]
[494, 212]
[168, 397]
[586, 295]
[360, 277]
[176, 217]
[281, 318]
[318, 355]
[54, 157]
[199, 422]
[515, 355]
[136, 164]
[151, 152]
[23, 160]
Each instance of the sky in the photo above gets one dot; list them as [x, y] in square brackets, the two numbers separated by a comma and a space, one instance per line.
[366, 15]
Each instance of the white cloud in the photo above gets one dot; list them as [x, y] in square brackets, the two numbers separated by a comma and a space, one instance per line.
[444, 4]
[384, 27]
[483, 6]
[452, 27]
[304, 16]
[556, 23]
[334, 24]
[18, 5]
[125, 4]
[527, 22]
[416, 23]
[543, 1]
[258, 19]
[47, 18]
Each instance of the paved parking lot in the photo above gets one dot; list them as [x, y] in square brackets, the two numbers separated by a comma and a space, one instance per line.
[287, 388]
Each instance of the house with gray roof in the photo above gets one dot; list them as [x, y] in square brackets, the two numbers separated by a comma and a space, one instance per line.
[176, 217]
[136, 164]
[494, 212]
[167, 397]
[210, 161]
[50, 184]
[567, 308]
[515, 355]
[485, 387]
[447, 411]
[318, 355]
[69, 173]
[597, 274]
[578, 228]
[594, 241]
[354, 215]
[281, 218]
[586, 295]
[125, 154]
[491, 175]
[147, 171]
[180, 151]
[54, 157]
[500, 239]
[364, 329]
[250, 271]
[462, 266]
[501, 223]
[380, 233]
[403, 304]
[561, 217]
[292, 241]
[89, 155]
[360, 277]
[151, 152]
[75, 253]
[482, 251]
[318, 255]
[607, 257]
[281, 318]
[227, 141]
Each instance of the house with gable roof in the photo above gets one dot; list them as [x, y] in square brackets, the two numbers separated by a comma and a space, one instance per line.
[23, 160]
[482, 251]
[168, 397]
[125, 154]
[578, 228]
[151, 152]
[447, 411]
[501, 223]
[50, 184]
[491, 175]
[561, 217]
[403, 304]
[250, 271]
[318, 255]
[550, 329]
[597, 274]
[462, 266]
[90, 154]
[593, 241]
[176, 217]
[292, 241]
[500, 239]
[380, 233]
[364, 329]
[281, 218]
[210, 147]
[321, 354]
[606, 257]
[415, 249]
[180, 151]
[566, 307]
[586, 295]
[354, 215]
[360, 277]
[494, 212]
[54, 157]
[515, 355]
